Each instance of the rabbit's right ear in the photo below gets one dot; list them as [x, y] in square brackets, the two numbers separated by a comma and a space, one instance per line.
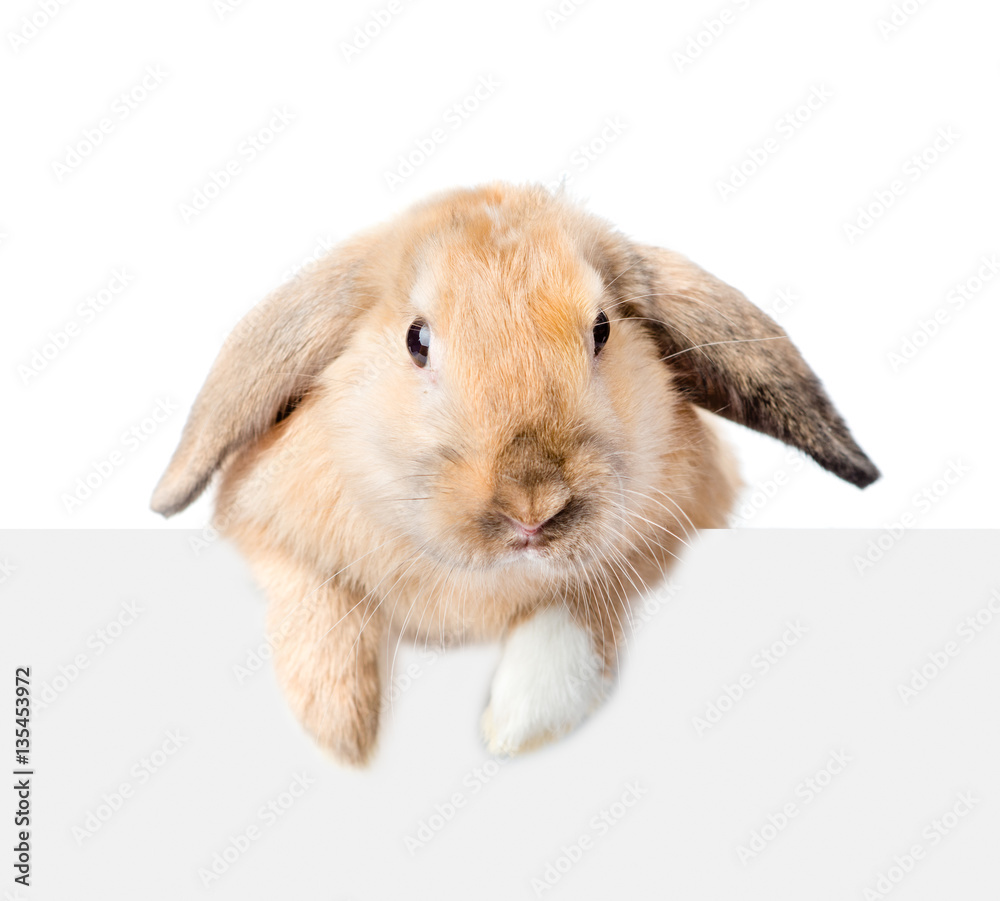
[732, 359]
[272, 356]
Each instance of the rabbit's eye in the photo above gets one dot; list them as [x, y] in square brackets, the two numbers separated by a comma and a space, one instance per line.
[418, 341]
[602, 331]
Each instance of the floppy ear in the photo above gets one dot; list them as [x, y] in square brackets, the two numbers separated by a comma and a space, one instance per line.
[271, 359]
[731, 359]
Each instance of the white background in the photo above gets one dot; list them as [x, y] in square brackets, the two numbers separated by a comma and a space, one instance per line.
[683, 126]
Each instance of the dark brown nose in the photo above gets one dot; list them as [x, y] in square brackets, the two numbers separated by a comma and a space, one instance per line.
[531, 489]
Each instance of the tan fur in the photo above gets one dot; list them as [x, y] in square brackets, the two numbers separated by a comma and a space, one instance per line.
[377, 507]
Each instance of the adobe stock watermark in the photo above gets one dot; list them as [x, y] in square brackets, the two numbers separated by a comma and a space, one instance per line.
[712, 28]
[248, 150]
[762, 492]
[59, 339]
[139, 775]
[225, 8]
[404, 680]
[33, 24]
[122, 108]
[935, 832]
[914, 169]
[262, 477]
[473, 782]
[96, 644]
[266, 816]
[261, 314]
[7, 569]
[803, 794]
[374, 25]
[131, 440]
[761, 663]
[572, 853]
[785, 128]
[256, 657]
[900, 15]
[783, 301]
[588, 152]
[560, 13]
[921, 503]
[938, 660]
[452, 120]
[954, 302]
[321, 249]
[652, 604]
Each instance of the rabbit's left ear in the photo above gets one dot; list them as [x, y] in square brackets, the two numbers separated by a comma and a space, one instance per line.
[730, 358]
[271, 359]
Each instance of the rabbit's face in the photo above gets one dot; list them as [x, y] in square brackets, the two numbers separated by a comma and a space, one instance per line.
[507, 381]
[505, 427]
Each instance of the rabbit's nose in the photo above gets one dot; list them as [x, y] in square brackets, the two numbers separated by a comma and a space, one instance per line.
[529, 505]
[533, 533]
[530, 485]
[524, 529]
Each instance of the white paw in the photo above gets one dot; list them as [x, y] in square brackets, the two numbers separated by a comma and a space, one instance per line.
[549, 679]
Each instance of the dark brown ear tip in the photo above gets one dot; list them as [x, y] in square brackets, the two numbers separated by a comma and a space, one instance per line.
[868, 476]
[861, 472]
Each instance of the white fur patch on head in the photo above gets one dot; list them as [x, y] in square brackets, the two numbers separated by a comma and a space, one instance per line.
[549, 679]
[424, 290]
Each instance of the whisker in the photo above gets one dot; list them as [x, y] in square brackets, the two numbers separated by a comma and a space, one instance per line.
[715, 343]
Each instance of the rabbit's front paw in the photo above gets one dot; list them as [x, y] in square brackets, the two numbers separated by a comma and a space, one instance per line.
[549, 679]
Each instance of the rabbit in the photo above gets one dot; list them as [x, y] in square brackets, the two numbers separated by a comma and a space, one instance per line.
[492, 418]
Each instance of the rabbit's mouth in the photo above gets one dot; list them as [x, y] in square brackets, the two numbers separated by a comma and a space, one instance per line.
[572, 535]
[548, 495]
